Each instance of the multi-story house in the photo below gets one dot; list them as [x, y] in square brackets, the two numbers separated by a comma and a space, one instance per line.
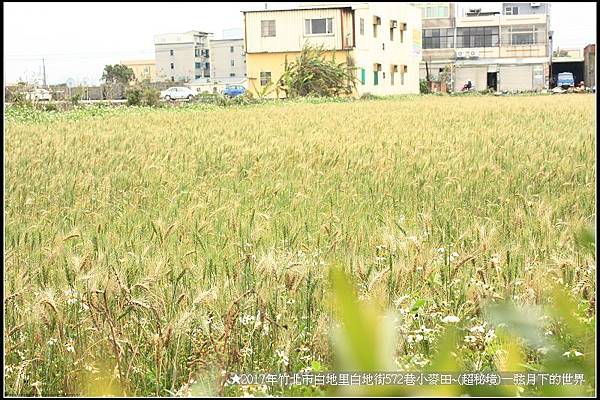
[182, 57]
[144, 70]
[499, 51]
[228, 59]
[381, 42]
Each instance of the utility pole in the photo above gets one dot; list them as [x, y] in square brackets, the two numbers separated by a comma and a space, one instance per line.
[44, 69]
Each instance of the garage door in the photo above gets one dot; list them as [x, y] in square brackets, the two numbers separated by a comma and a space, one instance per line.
[516, 77]
[477, 76]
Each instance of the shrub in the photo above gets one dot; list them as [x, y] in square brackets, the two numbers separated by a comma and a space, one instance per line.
[75, 99]
[134, 97]
[311, 74]
[151, 97]
[424, 86]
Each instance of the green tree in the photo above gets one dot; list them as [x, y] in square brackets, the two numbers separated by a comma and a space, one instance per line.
[117, 73]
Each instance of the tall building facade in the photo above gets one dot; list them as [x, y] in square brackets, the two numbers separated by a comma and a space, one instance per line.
[506, 50]
[380, 41]
[182, 57]
[228, 59]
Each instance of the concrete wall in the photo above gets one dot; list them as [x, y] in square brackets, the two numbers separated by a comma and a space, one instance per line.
[222, 56]
[184, 57]
[290, 35]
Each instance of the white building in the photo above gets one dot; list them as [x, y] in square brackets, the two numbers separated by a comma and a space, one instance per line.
[382, 41]
[182, 57]
[228, 58]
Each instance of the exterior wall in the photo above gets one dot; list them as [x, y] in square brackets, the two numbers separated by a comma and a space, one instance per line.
[506, 59]
[589, 65]
[382, 50]
[363, 51]
[143, 69]
[184, 59]
[526, 8]
[222, 56]
[289, 30]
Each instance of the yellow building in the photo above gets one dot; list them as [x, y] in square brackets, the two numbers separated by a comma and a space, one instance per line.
[143, 69]
[381, 41]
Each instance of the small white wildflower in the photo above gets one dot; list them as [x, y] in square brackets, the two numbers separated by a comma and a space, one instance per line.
[477, 329]
[453, 256]
[70, 348]
[490, 335]
[52, 341]
[441, 250]
[470, 339]
[283, 357]
[450, 319]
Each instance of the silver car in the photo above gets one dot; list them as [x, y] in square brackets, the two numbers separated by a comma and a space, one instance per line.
[177, 93]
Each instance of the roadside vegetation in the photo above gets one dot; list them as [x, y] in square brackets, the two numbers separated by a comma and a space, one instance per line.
[149, 251]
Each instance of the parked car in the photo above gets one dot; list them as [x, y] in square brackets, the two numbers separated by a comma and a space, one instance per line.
[177, 93]
[565, 80]
[38, 95]
[234, 90]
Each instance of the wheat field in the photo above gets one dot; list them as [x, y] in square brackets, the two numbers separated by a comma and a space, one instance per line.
[149, 250]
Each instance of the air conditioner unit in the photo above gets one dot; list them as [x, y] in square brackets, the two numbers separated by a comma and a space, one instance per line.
[536, 4]
[376, 20]
[393, 24]
[460, 54]
[473, 53]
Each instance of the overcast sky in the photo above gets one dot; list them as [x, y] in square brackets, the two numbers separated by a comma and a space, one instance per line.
[78, 39]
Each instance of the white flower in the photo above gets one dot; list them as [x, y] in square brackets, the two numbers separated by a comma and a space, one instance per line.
[453, 256]
[52, 341]
[450, 319]
[441, 250]
[470, 339]
[70, 348]
[283, 357]
[477, 329]
[490, 335]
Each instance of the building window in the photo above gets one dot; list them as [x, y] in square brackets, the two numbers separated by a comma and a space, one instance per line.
[232, 74]
[482, 36]
[376, 69]
[198, 65]
[393, 70]
[438, 38]
[233, 63]
[318, 26]
[172, 79]
[172, 52]
[231, 49]
[265, 78]
[363, 76]
[524, 35]
[267, 28]
[511, 10]
[197, 76]
[197, 52]
[403, 70]
[376, 23]
[435, 11]
[362, 26]
[172, 66]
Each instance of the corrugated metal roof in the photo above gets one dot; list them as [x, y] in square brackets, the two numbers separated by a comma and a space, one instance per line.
[323, 7]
